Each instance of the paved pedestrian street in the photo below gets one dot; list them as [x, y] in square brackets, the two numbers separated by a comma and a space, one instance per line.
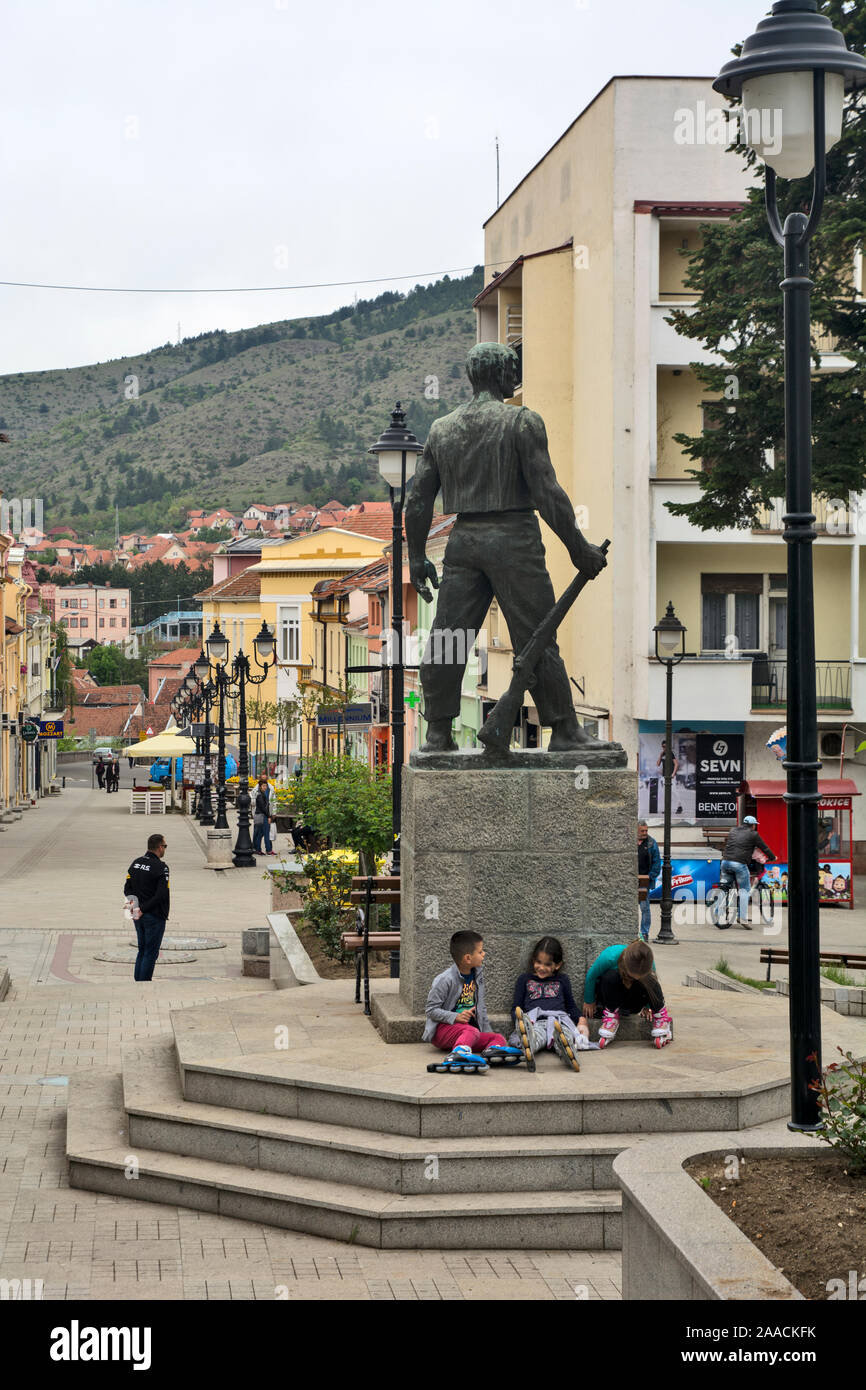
[61, 875]
[62, 869]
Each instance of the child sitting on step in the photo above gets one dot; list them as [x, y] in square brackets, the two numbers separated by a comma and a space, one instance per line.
[545, 1012]
[622, 980]
[456, 1010]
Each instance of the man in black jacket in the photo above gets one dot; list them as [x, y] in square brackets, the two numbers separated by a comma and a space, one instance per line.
[740, 846]
[147, 880]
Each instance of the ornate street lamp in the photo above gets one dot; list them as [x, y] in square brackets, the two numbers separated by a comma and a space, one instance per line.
[397, 453]
[670, 638]
[234, 681]
[265, 644]
[218, 650]
[792, 75]
[206, 697]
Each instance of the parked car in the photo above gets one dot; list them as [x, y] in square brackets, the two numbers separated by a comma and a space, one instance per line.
[101, 753]
[160, 771]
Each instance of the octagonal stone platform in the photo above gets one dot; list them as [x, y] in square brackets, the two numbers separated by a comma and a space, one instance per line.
[289, 1108]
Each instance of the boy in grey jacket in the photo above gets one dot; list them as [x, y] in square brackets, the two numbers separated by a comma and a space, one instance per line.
[456, 1009]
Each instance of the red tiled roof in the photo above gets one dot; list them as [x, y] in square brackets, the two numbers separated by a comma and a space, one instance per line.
[243, 585]
[169, 689]
[376, 526]
[182, 656]
[112, 695]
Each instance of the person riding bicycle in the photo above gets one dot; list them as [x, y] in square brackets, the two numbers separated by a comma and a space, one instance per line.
[737, 857]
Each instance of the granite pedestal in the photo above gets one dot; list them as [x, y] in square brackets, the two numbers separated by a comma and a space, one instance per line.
[515, 847]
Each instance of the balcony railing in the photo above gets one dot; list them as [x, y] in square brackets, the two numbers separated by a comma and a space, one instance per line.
[770, 684]
[830, 521]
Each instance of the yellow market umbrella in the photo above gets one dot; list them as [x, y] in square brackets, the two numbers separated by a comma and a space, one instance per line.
[164, 745]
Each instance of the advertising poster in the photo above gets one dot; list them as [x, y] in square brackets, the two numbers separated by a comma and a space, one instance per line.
[651, 778]
[834, 881]
[691, 880]
[720, 770]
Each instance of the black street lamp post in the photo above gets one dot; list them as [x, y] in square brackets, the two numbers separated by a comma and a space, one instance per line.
[397, 453]
[791, 77]
[670, 649]
[241, 676]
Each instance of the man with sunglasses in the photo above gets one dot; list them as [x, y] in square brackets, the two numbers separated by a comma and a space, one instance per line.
[147, 881]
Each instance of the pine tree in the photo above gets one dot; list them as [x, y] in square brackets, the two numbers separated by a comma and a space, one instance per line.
[737, 273]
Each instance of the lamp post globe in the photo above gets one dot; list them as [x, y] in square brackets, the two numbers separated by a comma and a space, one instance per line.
[794, 71]
[217, 646]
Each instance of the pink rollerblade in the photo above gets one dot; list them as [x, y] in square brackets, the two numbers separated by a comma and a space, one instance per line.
[609, 1025]
[663, 1027]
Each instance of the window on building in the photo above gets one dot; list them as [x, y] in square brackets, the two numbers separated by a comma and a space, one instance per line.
[289, 634]
[112, 603]
[73, 622]
[112, 622]
[731, 612]
[84, 603]
[102, 603]
[123, 622]
[73, 603]
[123, 603]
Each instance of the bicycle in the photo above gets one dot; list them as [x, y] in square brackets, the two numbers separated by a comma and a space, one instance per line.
[723, 900]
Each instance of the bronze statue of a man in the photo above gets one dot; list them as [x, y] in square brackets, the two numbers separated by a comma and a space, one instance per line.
[491, 462]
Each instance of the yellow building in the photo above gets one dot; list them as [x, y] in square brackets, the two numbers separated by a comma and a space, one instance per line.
[583, 264]
[278, 590]
[14, 789]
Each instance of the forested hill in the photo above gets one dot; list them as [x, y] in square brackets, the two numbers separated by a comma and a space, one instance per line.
[285, 411]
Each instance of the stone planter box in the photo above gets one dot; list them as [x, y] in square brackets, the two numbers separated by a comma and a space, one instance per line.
[676, 1243]
[288, 900]
[844, 999]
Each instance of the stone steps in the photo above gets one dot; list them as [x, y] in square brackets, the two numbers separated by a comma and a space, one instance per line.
[102, 1158]
[160, 1118]
[287, 1108]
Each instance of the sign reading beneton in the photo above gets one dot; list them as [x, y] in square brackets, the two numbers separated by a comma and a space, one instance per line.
[720, 770]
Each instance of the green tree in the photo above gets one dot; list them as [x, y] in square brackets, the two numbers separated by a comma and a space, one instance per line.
[737, 272]
[344, 800]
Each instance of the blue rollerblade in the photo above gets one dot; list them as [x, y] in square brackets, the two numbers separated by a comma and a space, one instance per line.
[461, 1059]
[504, 1056]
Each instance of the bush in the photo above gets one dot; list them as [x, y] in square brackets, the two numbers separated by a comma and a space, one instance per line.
[325, 894]
[842, 1099]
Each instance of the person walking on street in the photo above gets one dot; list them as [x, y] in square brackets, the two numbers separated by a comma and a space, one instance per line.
[649, 861]
[740, 846]
[147, 880]
[264, 814]
[100, 771]
[115, 774]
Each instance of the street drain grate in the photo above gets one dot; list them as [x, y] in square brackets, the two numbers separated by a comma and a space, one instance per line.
[121, 957]
[189, 943]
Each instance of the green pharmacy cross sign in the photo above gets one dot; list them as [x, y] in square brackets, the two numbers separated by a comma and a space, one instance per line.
[413, 700]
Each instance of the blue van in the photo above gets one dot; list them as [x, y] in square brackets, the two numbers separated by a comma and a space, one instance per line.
[160, 771]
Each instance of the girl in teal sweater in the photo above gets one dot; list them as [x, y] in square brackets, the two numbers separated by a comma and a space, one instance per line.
[622, 980]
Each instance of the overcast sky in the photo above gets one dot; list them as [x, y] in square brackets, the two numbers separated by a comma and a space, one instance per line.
[216, 143]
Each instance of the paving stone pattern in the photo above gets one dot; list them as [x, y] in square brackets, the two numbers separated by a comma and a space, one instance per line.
[61, 872]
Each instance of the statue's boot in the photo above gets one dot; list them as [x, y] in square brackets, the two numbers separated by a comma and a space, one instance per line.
[567, 734]
[439, 738]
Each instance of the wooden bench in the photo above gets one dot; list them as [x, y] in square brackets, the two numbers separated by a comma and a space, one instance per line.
[368, 892]
[778, 955]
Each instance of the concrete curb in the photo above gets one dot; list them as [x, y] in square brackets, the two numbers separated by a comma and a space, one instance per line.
[677, 1244]
[290, 964]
